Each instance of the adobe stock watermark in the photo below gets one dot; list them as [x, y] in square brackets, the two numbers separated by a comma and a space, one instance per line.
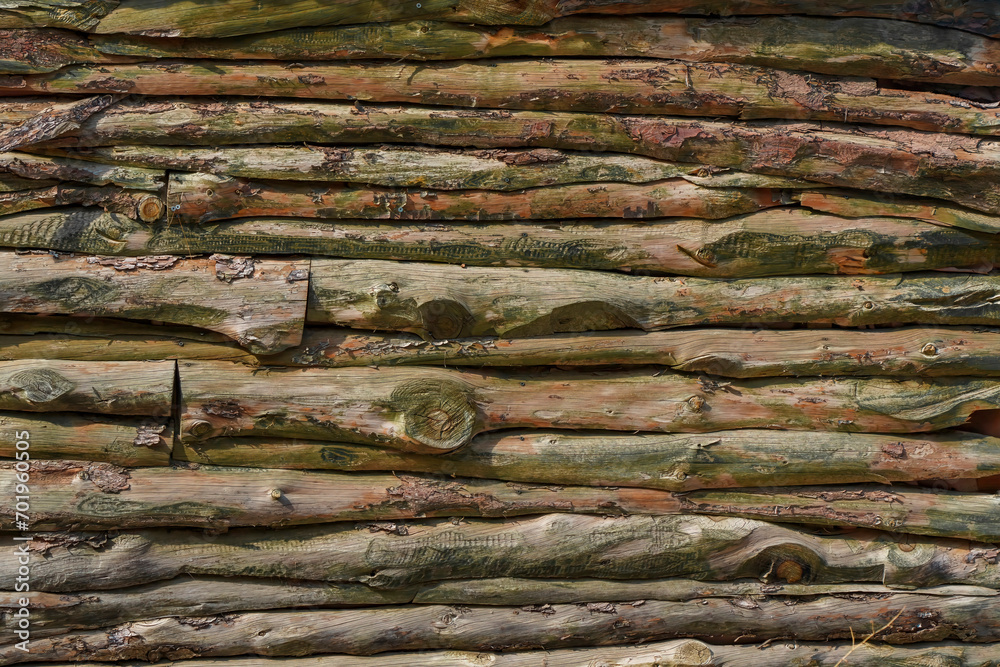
[22, 509]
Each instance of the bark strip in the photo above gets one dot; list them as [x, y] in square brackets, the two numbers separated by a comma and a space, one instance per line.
[260, 303]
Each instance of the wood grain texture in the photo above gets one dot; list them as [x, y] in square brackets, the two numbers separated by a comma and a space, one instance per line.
[130, 203]
[566, 546]
[442, 301]
[260, 303]
[125, 442]
[674, 462]
[643, 86]
[38, 167]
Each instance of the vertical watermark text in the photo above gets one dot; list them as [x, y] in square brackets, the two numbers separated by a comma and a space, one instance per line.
[22, 521]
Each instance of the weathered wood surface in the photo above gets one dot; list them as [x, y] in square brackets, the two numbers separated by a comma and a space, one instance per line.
[855, 204]
[201, 198]
[424, 166]
[567, 546]
[952, 167]
[97, 496]
[127, 442]
[51, 120]
[131, 203]
[42, 327]
[842, 46]
[900, 351]
[770, 242]
[677, 653]
[37, 167]
[476, 628]
[60, 613]
[430, 410]
[118, 347]
[173, 18]
[110, 387]
[676, 462]
[258, 302]
[642, 86]
[444, 301]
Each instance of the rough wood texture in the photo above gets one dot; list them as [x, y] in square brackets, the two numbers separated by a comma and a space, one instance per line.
[569, 546]
[53, 121]
[900, 351]
[610, 86]
[430, 410]
[260, 303]
[111, 387]
[125, 442]
[443, 301]
[82, 171]
[855, 204]
[239, 17]
[676, 653]
[131, 203]
[953, 167]
[412, 627]
[42, 327]
[677, 462]
[424, 166]
[842, 46]
[202, 198]
[770, 242]
[118, 347]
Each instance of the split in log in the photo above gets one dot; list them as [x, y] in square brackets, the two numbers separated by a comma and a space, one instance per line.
[131, 203]
[677, 462]
[740, 353]
[554, 546]
[175, 18]
[111, 387]
[431, 410]
[641, 86]
[841, 46]
[36, 167]
[127, 442]
[202, 198]
[424, 166]
[60, 613]
[677, 653]
[442, 301]
[953, 167]
[909, 618]
[863, 205]
[260, 303]
[766, 243]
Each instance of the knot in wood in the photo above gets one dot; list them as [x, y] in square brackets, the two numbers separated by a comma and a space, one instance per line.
[437, 413]
[444, 318]
[40, 385]
[790, 571]
[198, 428]
[929, 350]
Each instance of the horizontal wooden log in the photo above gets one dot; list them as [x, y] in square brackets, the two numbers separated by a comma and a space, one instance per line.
[842, 46]
[127, 442]
[450, 302]
[424, 166]
[687, 652]
[568, 546]
[113, 497]
[644, 86]
[855, 204]
[908, 618]
[956, 168]
[118, 347]
[60, 613]
[41, 168]
[239, 17]
[430, 410]
[680, 462]
[51, 120]
[203, 198]
[260, 303]
[110, 387]
[30, 51]
[42, 327]
[130, 203]
[900, 351]
[767, 243]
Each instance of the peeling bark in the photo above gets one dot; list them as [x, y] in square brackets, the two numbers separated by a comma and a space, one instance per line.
[36, 167]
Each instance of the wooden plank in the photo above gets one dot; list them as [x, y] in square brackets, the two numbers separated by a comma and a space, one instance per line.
[746, 352]
[673, 462]
[111, 387]
[258, 302]
[196, 198]
[443, 301]
[561, 546]
[646, 86]
[952, 167]
[431, 410]
[126, 442]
